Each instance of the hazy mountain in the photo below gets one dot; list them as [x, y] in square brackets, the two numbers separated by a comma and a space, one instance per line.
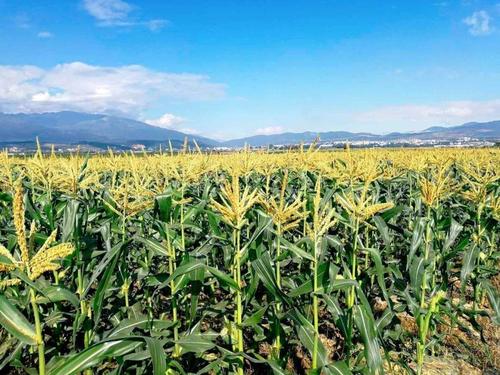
[75, 127]
[295, 138]
[98, 129]
[483, 131]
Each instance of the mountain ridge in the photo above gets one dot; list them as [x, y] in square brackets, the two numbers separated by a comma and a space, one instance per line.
[482, 130]
[76, 127]
[68, 127]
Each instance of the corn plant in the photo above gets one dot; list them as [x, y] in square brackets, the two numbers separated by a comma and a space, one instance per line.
[306, 261]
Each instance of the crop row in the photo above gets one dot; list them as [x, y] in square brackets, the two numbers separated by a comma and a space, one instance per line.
[343, 262]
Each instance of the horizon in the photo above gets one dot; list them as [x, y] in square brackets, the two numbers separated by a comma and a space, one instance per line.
[225, 70]
[194, 136]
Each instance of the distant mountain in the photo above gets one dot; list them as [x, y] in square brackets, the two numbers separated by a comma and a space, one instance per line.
[296, 138]
[75, 127]
[99, 130]
[482, 131]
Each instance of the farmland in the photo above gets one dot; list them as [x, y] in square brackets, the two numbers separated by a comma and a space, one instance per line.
[365, 261]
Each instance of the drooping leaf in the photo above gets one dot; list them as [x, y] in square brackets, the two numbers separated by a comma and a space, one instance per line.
[307, 287]
[454, 231]
[416, 240]
[367, 329]
[417, 270]
[494, 299]
[57, 293]
[196, 343]
[154, 245]
[266, 273]
[186, 269]
[94, 355]
[469, 264]
[15, 322]
[102, 288]
[158, 356]
[337, 368]
[223, 278]
[305, 331]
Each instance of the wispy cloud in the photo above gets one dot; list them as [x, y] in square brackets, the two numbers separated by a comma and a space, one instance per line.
[126, 90]
[23, 21]
[167, 120]
[479, 23]
[172, 122]
[108, 11]
[453, 112]
[155, 25]
[45, 35]
[117, 13]
[269, 130]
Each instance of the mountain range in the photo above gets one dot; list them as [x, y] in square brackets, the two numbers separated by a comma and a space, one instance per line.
[83, 128]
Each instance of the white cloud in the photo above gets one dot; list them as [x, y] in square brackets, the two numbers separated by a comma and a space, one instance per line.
[269, 130]
[167, 120]
[23, 21]
[479, 23]
[108, 10]
[155, 25]
[453, 112]
[78, 86]
[173, 122]
[118, 13]
[45, 34]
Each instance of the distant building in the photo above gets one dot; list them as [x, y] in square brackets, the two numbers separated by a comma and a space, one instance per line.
[137, 147]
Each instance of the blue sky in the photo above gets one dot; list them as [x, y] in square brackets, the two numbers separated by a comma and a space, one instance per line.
[236, 68]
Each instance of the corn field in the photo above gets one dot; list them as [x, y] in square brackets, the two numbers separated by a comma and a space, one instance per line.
[301, 262]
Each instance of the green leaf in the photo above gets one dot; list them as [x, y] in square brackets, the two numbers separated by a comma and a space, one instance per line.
[295, 249]
[416, 240]
[384, 320]
[14, 353]
[337, 368]
[366, 327]
[307, 287]
[95, 354]
[15, 323]
[337, 312]
[255, 318]
[275, 367]
[126, 326]
[154, 245]
[383, 229]
[57, 293]
[196, 343]
[164, 206]
[223, 277]
[104, 284]
[468, 264]
[494, 298]
[416, 274]
[266, 274]
[263, 224]
[110, 255]
[377, 259]
[455, 229]
[5, 261]
[70, 219]
[389, 214]
[186, 269]
[158, 356]
[305, 331]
